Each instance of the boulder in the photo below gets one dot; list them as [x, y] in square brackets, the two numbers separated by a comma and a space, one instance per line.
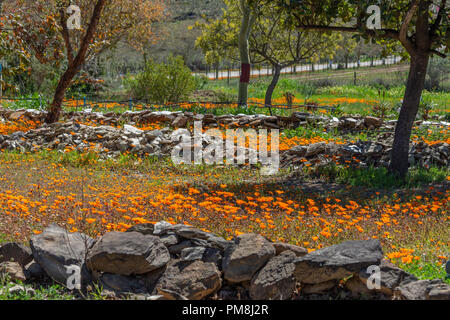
[282, 247]
[319, 288]
[13, 270]
[169, 240]
[349, 123]
[370, 121]
[144, 228]
[16, 115]
[316, 148]
[298, 151]
[180, 121]
[390, 277]
[190, 233]
[34, 271]
[176, 249]
[423, 290]
[192, 254]
[132, 130]
[128, 253]
[201, 253]
[276, 280]
[57, 250]
[245, 256]
[357, 287]
[193, 234]
[193, 281]
[338, 261]
[15, 252]
[121, 285]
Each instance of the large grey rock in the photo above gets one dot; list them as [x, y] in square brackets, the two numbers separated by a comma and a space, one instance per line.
[33, 271]
[169, 240]
[423, 290]
[193, 233]
[144, 228]
[176, 249]
[298, 150]
[201, 253]
[315, 148]
[162, 228]
[319, 288]
[192, 254]
[338, 261]
[390, 277]
[128, 253]
[370, 121]
[357, 287]
[245, 256]
[276, 280]
[193, 281]
[13, 270]
[15, 252]
[282, 247]
[56, 250]
[120, 284]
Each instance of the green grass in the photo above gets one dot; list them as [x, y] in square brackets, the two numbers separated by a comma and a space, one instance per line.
[4, 238]
[381, 178]
[424, 271]
[43, 292]
[374, 84]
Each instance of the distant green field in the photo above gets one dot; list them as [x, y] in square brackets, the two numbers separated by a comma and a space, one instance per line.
[373, 86]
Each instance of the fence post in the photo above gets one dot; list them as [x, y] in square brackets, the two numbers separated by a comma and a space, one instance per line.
[131, 104]
[354, 78]
[84, 103]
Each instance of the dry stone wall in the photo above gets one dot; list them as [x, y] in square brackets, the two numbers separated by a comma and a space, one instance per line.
[177, 262]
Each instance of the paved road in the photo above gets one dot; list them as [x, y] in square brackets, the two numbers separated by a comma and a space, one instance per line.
[303, 68]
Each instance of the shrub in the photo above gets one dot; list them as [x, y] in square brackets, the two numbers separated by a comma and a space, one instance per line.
[200, 82]
[438, 72]
[163, 83]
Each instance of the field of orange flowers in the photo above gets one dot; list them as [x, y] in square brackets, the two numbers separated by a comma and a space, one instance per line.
[34, 192]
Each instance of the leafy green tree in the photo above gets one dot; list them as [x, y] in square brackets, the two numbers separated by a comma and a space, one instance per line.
[420, 26]
[42, 27]
[271, 41]
[16, 58]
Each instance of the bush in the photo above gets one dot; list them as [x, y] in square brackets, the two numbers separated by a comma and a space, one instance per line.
[200, 82]
[163, 83]
[438, 72]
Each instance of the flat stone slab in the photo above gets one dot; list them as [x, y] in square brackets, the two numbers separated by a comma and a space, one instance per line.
[390, 277]
[282, 247]
[338, 261]
[128, 253]
[423, 290]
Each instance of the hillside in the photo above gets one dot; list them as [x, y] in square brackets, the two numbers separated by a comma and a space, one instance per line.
[182, 10]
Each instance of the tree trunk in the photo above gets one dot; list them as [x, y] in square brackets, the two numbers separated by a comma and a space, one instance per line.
[64, 83]
[75, 66]
[217, 70]
[408, 113]
[272, 86]
[244, 51]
